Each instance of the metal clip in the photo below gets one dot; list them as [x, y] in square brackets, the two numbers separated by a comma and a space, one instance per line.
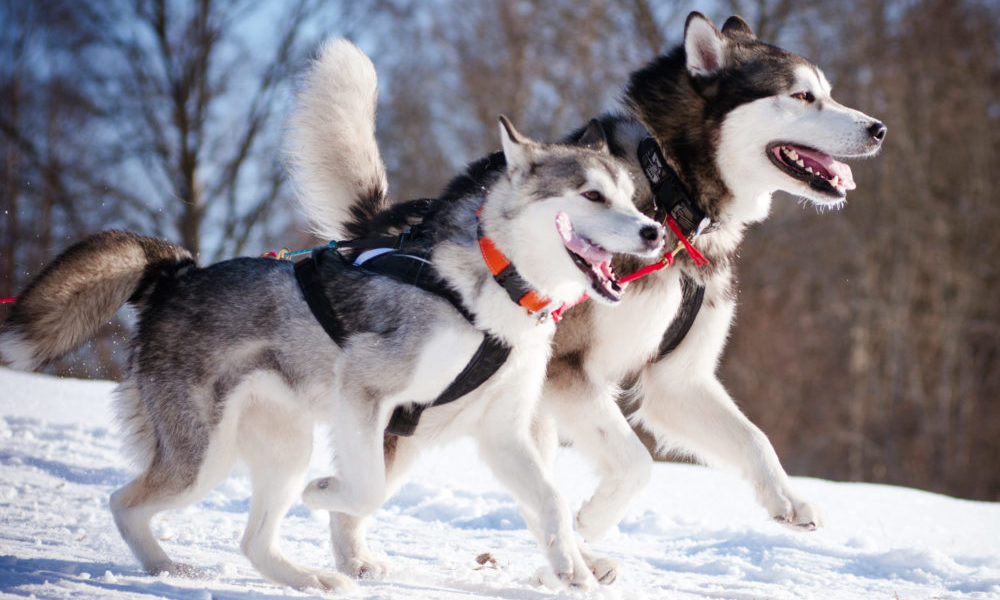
[705, 223]
[668, 258]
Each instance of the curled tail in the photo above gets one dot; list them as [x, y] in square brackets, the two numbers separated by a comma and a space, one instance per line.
[80, 290]
[334, 158]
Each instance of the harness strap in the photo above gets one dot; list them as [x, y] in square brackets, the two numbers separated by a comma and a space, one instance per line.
[675, 207]
[670, 198]
[489, 357]
[417, 271]
[692, 296]
[311, 283]
[491, 354]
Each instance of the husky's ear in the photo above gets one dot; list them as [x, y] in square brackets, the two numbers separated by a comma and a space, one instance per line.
[736, 27]
[704, 46]
[594, 137]
[516, 147]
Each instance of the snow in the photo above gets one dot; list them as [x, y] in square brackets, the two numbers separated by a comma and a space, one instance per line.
[694, 533]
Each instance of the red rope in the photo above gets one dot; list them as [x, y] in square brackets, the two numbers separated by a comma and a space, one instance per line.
[8, 300]
[696, 256]
[667, 261]
[557, 313]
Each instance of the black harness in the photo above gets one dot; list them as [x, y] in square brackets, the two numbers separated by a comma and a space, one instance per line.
[413, 270]
[671, 198]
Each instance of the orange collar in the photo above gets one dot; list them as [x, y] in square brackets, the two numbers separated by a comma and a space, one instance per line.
[509, 279]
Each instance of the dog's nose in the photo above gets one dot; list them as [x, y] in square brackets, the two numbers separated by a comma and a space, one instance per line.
[653, 234]
[877, 130]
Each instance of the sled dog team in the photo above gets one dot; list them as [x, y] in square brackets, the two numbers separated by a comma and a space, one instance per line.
[439, 319]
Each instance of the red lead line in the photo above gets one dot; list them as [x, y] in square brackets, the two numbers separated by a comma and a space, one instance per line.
[693, 252]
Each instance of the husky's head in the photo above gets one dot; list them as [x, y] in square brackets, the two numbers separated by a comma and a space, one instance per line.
[564, 212]
[743, 119]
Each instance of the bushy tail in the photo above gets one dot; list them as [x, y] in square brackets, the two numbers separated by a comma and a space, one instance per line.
[335, 161]
[82, 289]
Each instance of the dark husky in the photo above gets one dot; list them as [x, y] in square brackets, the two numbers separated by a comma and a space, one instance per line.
[711, 130]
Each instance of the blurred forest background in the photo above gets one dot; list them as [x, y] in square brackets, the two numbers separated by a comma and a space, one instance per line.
[868, 340]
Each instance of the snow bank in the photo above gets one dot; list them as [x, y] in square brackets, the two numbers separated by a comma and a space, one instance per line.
[694, 533]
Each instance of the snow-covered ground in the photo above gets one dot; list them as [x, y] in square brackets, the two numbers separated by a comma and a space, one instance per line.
[694, 533]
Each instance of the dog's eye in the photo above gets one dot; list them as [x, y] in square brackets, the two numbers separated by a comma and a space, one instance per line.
[805, 96]
[593, 196]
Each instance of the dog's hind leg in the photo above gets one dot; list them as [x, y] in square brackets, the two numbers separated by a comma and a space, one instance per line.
[587, 414]
[276, 443]
[175, 478]
[134, 506]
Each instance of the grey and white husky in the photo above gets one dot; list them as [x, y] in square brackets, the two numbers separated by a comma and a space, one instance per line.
[229, 361]
[732, 120]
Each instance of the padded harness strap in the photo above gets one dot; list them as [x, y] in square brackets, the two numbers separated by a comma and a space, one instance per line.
[670, 198]
[491, 354]
[311, 284]
[692, 296]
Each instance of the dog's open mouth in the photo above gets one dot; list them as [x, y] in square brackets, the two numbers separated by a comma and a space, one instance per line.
[593, 260]
[821, 171]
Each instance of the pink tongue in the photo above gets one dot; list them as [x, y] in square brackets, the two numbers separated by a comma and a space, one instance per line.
[832, 165]
[577, 244]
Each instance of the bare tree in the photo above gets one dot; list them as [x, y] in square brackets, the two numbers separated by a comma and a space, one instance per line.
[159, 116]
[186, 101]
[549, 66]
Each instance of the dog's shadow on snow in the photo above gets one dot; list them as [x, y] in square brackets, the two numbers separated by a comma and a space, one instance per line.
[94, 580]
[68, 472]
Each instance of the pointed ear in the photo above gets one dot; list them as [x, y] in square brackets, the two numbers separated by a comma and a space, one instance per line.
[594, 137]
[704, 46]
[516, 147]
[735, 26]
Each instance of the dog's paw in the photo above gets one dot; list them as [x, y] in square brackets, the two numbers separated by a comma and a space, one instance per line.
[327, 581]
[574, 573]
[332, 582]
[365, 568]
[795, 513]
[578, 581]
[592, 524]
[546, 577]
[605, 569]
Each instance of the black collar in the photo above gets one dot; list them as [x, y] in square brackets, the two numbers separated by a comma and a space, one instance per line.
[670, 197]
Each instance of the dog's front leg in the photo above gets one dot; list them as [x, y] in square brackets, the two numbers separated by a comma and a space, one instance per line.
[697, 414]
[512, 455]
[347, 532]
[359, 487]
